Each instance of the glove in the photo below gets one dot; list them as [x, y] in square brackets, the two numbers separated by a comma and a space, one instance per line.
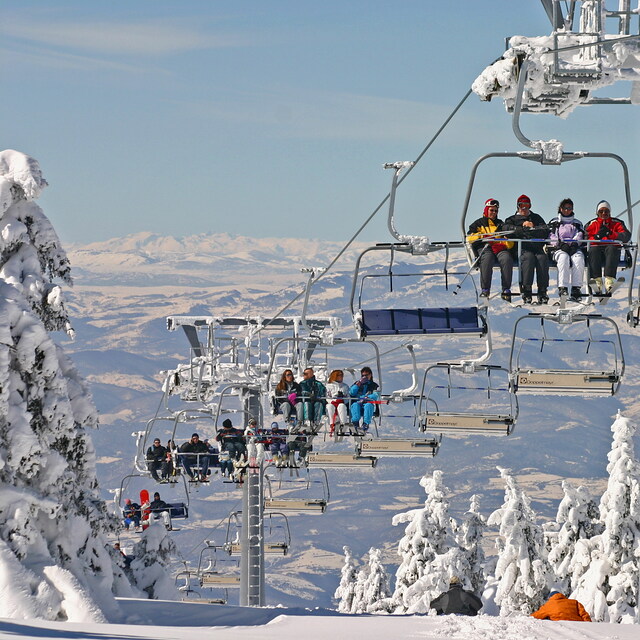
[362, 381]
[292, 398]
[563, 246]
[603, 232]
[340, 394]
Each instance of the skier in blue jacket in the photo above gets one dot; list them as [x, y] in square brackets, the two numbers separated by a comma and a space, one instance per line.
[363, 393]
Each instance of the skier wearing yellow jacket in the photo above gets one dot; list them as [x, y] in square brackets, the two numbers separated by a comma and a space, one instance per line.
[491, 251]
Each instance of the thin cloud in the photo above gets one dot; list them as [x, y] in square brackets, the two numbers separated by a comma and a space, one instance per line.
[326, 115]
[52, 59]
[150, 38]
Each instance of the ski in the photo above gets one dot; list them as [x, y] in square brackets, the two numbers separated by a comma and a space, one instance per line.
[605, 297]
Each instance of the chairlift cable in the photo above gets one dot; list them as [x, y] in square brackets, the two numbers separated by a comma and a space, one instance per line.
[215, 527]
[377, 209]
[373, 358]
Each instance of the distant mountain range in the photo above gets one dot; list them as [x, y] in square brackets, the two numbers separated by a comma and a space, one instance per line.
[147, 259]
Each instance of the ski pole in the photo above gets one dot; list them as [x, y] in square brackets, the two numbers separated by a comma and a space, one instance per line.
[471, 268]
[486, 236]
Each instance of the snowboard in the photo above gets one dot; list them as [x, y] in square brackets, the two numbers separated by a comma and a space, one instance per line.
[144, 508]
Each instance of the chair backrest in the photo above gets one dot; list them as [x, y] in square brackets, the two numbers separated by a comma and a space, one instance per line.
[179, 510]
[387, 322]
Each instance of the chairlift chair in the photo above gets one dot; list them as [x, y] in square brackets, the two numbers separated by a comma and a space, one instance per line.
[178, 509]
[153, 430]
[538, 156]
[303, 501]
[598, 379]
[211, 575]
[398, 447]
[183, 584]
[346, 460]
[277, 537]
[376, 323]
[467, 400]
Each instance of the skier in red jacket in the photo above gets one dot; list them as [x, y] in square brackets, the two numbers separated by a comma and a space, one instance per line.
[604, 253]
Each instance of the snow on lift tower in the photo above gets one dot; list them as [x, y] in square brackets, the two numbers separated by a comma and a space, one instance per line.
[227, 350]
[564, 69]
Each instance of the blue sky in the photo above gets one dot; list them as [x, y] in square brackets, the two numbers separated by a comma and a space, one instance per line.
[273, 118]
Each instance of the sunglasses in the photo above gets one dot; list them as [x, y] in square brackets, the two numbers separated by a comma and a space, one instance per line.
[604, 211]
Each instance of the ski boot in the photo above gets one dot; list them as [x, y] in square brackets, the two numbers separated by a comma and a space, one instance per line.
[576, 294]
[527, 296]
[543, 298]
[506, 295]
[608, 284]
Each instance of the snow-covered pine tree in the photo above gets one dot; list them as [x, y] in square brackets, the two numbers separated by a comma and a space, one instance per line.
[31, 255]
[608, 588]
[152, 556]
[346, 588]
[469, 538]
[54, 557]
[427, 534]
[577, 519]
[377, 595]
[358, 604]
[522, 572]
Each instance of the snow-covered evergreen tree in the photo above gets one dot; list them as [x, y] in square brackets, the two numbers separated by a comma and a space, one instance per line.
[577, 519]
[31, 257]
[359, 604]
[346, 588]
[522, 572]
[152, 556]
[427, 534]
[54, 558]
[469, 538]
[609, 588]
[376, 587]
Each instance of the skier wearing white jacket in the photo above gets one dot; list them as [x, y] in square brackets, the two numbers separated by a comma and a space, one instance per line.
[567, 232]
[337, 393]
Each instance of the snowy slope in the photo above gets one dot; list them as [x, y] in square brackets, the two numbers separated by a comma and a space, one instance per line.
[122, 343]
[182, 620]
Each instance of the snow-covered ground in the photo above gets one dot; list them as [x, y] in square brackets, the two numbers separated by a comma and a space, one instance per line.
[177, 621]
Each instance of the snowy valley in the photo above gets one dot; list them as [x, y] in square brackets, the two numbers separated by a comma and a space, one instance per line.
[123, 343]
